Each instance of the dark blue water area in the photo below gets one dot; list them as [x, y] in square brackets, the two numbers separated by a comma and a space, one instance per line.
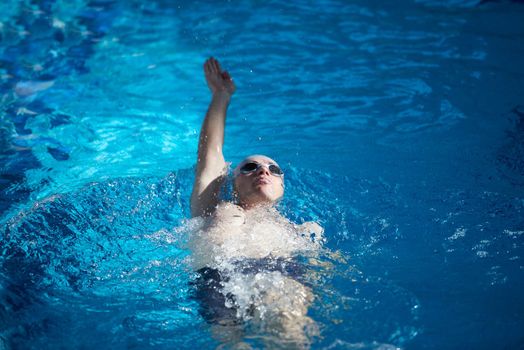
[80, 269]
[400, 127]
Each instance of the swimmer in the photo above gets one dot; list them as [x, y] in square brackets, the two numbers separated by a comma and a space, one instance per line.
[247, 230]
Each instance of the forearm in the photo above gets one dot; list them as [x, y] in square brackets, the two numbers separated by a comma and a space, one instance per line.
[212, 133]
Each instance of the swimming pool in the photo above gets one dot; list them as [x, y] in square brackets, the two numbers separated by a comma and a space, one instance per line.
[400, 128]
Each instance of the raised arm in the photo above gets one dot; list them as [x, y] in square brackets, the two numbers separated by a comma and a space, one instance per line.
[211, 166]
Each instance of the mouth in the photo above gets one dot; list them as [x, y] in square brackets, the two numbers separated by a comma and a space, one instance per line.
[262, 181]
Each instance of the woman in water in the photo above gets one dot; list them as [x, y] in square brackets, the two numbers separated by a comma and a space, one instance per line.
[244, 250]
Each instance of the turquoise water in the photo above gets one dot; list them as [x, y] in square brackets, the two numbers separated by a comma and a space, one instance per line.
[400, 128]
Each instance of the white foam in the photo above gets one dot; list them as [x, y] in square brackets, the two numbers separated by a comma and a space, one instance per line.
[265, 233]
[459, 233]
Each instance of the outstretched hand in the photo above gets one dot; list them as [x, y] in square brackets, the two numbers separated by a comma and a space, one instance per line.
[218, 81]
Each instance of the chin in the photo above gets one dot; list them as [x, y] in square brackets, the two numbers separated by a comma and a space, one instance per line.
[261, 195]
[268, 194]
[271, 198]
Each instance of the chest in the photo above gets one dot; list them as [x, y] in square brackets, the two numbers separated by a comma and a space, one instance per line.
[256, 234]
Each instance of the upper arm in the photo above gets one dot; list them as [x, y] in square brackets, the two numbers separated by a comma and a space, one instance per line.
[209, 178]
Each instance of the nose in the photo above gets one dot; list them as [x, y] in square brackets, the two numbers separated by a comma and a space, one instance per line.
[263, 169]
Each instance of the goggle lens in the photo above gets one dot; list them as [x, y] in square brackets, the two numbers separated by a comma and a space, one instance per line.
[275, 170]
[251, 167]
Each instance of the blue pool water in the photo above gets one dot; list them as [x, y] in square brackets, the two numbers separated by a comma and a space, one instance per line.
[400, 126]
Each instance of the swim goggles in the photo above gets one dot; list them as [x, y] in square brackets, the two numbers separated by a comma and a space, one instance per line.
[251, 167]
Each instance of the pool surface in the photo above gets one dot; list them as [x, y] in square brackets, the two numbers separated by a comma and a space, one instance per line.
[400, 127]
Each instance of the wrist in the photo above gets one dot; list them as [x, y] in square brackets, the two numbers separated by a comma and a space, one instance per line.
[222, 96]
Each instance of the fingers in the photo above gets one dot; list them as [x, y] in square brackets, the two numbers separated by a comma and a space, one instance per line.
[217, 66]
[211, 66]
[208, 66]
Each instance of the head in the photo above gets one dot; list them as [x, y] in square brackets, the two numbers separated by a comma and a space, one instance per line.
[260, 185]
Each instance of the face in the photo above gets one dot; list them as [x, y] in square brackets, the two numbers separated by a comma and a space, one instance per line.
[259, 186]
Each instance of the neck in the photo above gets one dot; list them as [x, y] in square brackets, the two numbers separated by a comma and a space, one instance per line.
[255, 205]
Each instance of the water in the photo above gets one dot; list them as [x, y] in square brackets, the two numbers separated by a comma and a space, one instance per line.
[399, 126]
